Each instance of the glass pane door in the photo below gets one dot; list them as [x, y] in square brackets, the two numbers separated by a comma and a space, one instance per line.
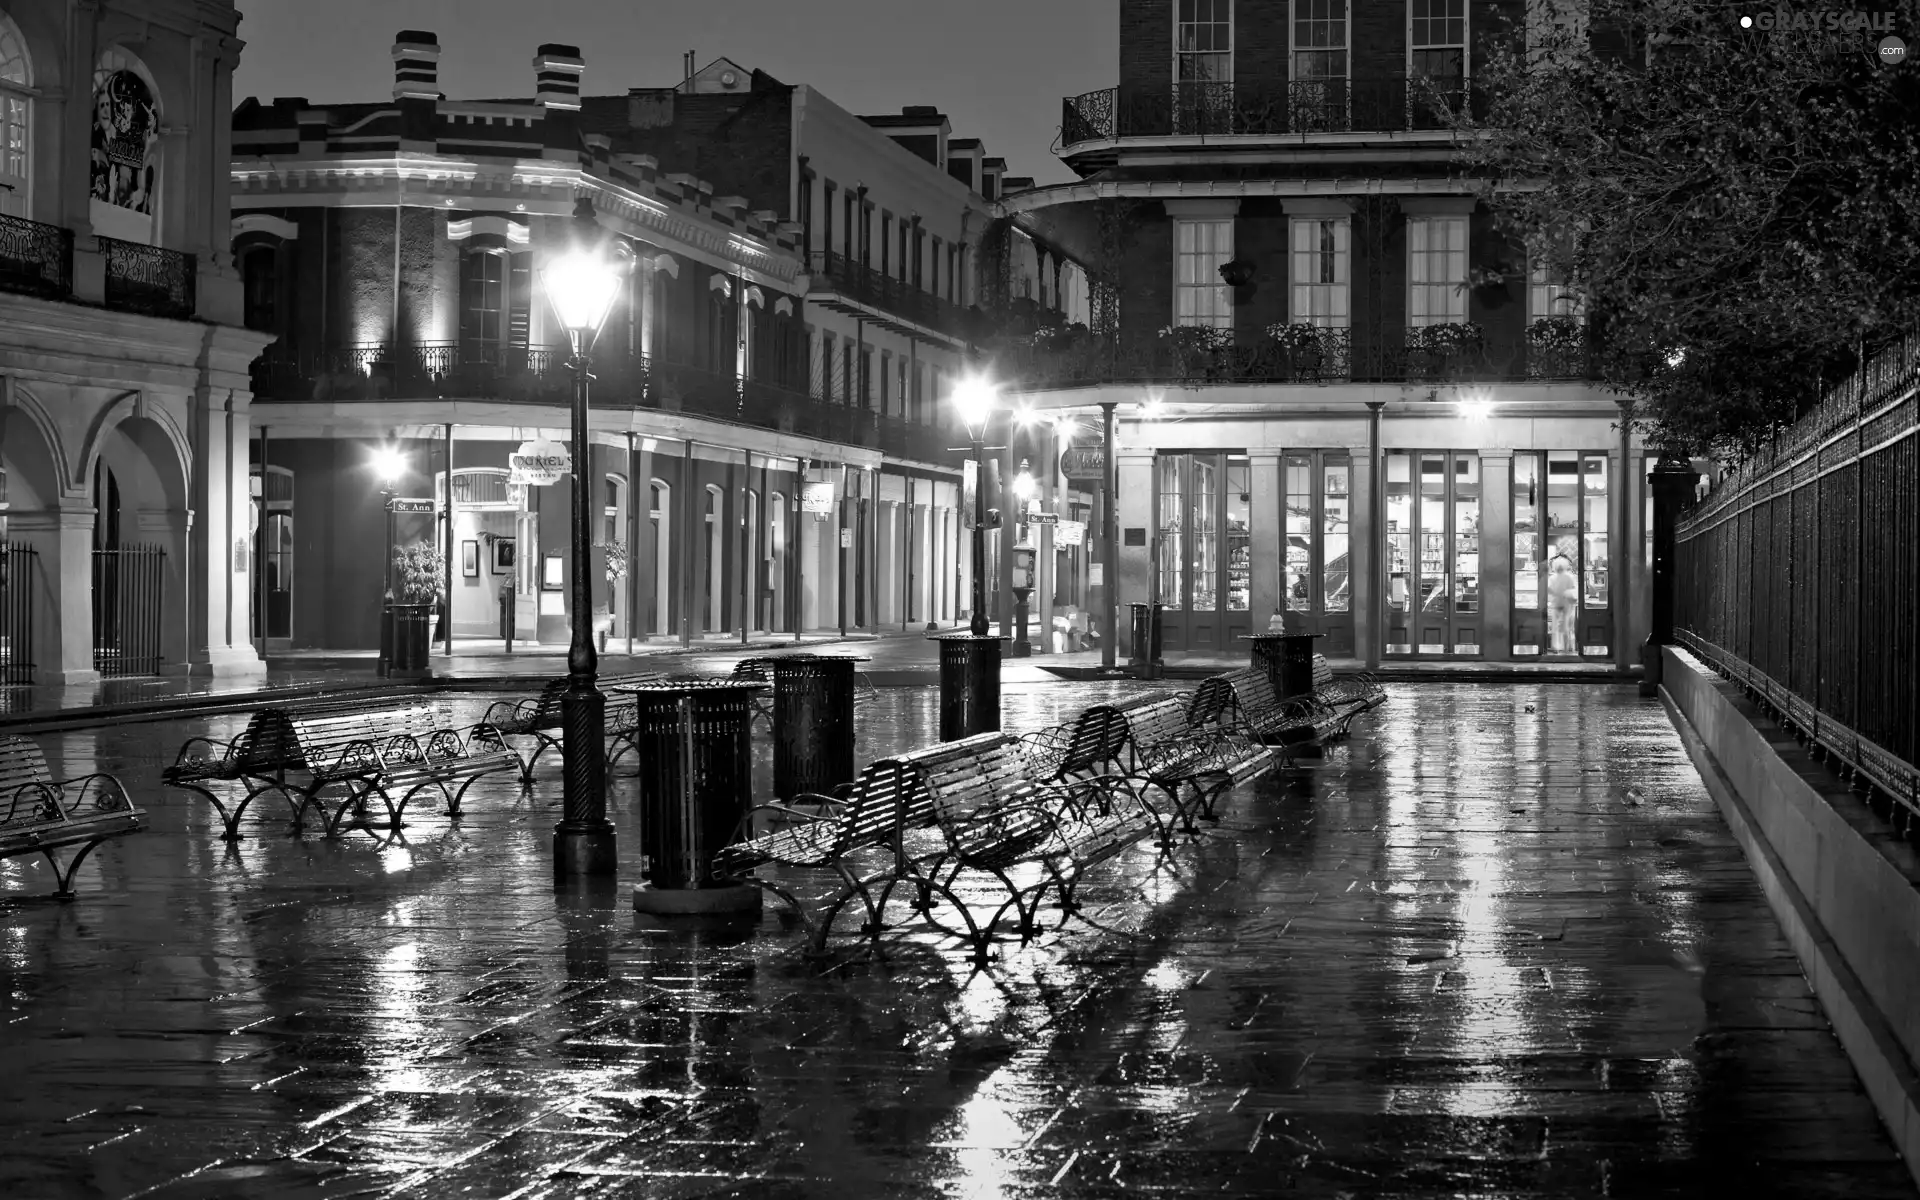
[1433, 553]
[1560, 554]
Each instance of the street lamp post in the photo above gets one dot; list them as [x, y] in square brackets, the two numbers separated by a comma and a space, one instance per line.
[582, 283]
[388, 465]
[974, 399]
[970, 662]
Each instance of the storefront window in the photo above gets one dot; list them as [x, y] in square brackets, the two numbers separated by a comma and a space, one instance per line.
[1526, 547]
[1206, 539]
[1466, 551]
[1239, 506]
[1593, 479]
[1299, 561]
[1172, 550]
[1399, 488]
[1336, 516]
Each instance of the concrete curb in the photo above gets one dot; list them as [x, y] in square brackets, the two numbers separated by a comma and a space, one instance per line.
[1858, 1020]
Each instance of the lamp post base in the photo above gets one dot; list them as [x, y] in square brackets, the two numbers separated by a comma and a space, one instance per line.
[581, 851]
[697, 902]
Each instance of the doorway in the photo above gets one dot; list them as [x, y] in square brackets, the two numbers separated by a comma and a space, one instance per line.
[660, 526]
[1561, 601]
[1433, 553]
[716, 607]
[1203, 564]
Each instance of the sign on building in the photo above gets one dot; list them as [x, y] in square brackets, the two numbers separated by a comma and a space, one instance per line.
[1084, 463]
[1070, 533]
[816, 497]
[539, 463]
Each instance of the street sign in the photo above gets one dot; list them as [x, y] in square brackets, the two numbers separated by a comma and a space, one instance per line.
[1043, 518]
[411, 504]
[1084, 463]
[1070, 533]
[816, 497]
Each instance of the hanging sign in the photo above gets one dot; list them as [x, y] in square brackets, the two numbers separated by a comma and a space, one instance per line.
[846, 537]
[1084, 463]
[1070, 533]
[539, 463]
[816, 497]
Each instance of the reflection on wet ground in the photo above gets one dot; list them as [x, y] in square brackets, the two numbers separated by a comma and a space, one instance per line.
[1499, 944]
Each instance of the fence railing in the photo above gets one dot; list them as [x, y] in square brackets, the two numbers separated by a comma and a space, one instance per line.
[843, 276]
[1304, 355]
[36, 259]
[18, 569]
[538, 375]
[1267, 107]
[127, 603]
[1798, 577]
[149, 279]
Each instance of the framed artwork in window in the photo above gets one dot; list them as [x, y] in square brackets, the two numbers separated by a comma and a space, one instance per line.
[503, 556]
[470, 559]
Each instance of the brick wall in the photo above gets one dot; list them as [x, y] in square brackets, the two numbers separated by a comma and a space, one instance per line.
[741, 145]
[1499, 309]
[1146, 281]
[1378, 36]
[1260, 237]
[1146, 43]
[1260, 40]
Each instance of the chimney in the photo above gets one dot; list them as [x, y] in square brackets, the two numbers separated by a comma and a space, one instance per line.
[416, 65]
[557, 71]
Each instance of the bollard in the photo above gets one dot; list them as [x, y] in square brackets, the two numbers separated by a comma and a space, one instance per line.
[691, 737]
[812, 723]
[969, 685]
[385, 664]
[507, 614]
[1147, 661]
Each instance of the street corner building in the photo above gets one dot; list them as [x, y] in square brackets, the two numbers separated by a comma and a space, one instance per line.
[123, 353]
[769, 449]
[1345, 403]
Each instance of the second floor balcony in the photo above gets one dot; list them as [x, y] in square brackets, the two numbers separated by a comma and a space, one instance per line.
[36, 259]
[838, 275]
[1265, 108]
[1554, 350]
[537, 375]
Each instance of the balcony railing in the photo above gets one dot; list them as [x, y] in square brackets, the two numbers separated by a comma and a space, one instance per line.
[149, 280]
[1301, 355]
[35, 259]
[539, 375]
[839, 274]
[1267, 108]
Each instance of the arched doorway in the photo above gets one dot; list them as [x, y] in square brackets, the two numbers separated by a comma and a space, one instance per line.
[139, 550]
[660, 526]
[716, 607]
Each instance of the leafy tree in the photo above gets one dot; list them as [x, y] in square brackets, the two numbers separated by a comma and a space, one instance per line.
[1739, 209]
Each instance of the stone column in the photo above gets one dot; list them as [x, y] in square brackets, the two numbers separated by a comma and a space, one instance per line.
[62, 540]
[218, 538]
[1496, 554]
[1365, 529]
[1135, 511]
[1267, 521]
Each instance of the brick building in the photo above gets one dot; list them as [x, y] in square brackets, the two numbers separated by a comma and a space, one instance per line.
[759, 358]
[1346, 401]
[123, 363]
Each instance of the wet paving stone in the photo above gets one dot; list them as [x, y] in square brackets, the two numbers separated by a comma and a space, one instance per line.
[1498, 944]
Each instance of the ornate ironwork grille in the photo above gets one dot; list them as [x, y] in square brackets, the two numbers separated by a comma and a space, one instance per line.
[35, 258]
[127, 585]
[16, 614]
[148, 279]
[1799, 577]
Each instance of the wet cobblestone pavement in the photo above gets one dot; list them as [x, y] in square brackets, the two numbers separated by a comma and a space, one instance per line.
[1498, 944]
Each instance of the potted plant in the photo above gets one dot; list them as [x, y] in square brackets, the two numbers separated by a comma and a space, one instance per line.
[1300, 345]
[420, 578]
[1196, 346]
[1555, 346]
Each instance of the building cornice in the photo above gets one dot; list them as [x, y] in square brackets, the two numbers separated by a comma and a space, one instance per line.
[1166, 189]
[532, 186]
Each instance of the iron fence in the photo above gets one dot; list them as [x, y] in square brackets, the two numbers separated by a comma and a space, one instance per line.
[1268, 107]
[1798, 577]
[127, 603]
[18, 573]
[838, 274]
[35, 258]
[149, 279]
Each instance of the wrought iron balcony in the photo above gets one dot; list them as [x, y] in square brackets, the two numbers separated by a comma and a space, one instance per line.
[1267, 108]
[149, 280]
[539, 375]
[838, 275]
[35, 259]
[1297, 354]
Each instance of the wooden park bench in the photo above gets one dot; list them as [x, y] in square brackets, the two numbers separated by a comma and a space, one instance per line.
[1244, 701]
[1168, 753]
[359, 748]
[541, 718]
[1094, 743]
[39, 815]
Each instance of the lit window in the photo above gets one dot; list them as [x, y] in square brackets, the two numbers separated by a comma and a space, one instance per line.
[1437, 48]
[1200, 249]
[1321, 267]
[1204, 50]
[1436, 270]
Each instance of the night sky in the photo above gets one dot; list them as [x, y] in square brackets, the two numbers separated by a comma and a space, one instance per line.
[997, 68]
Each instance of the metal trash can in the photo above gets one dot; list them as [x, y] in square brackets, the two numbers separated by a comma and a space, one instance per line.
[696, 774]
[969, 684]
[1146, 639]
[409, 643]
[1287, 659]
[812, 723]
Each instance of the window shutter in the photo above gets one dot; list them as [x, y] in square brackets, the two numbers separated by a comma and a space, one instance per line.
[519, 299]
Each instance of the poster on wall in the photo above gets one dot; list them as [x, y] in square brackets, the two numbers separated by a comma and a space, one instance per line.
[125, 127]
